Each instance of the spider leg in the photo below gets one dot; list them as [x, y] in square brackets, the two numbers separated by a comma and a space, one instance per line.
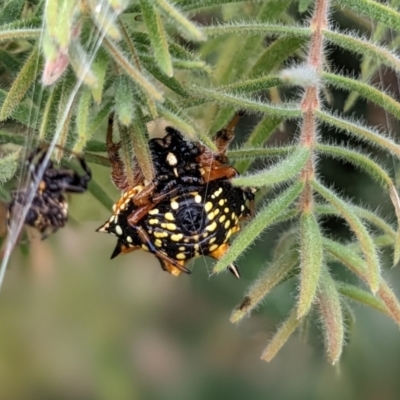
[211, 174]
[87, 176]
[226, 135]
[117, 167]
[34, 167]
[172, 266]
[135, 217]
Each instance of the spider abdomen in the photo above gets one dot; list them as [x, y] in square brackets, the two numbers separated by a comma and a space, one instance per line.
[187, 226]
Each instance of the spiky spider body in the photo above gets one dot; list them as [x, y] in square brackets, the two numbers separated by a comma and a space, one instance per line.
[189, 209]
[49, 208]
[187, 226]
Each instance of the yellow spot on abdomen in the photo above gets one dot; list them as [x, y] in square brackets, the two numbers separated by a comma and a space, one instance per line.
[160, 234]
[197, 198]
[169, 216]
[213, 247]
[211, 227]
[170, 226]
[208, 206]
[176, 237]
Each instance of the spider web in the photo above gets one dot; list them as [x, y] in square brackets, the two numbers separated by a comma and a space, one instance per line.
[17, 221]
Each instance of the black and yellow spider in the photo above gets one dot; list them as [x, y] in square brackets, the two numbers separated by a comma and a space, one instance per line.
[189, 209]
[48, 210]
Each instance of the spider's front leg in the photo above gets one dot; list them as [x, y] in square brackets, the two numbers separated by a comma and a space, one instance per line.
[174, 267]
[117, 166]
[65, 180]
[225, 136]
[212, 174]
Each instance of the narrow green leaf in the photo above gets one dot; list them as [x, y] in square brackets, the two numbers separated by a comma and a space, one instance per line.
[371, 217]
[157, 36]
[99, 68]
[265, 217]
[252, 46]
[268, 279]
[357, 265]
[7, 138]
[126, 152]
[331, 316]
[251, 28]
[21, 84]
[22, 113]
[187, 27]
[366, 243]
[376, 11]
[279, 51]
[281, 336]
[140, 142]
[8, 34]
[192, 65]
[224, 71]
[250, 49]
[198, 5]
[364, 47]
[253, 153]
[96, 146]
[8, 166]
[47, 113]
[131, 71]
[385, 293]
[252, 85]
[239, 102]
[287, 241]
[168, 81]
[311, 257]
[63, 120]
[285, 170]
[367, 91]
[82, 120]
[368, 64]
[361, 296]
[96, 159]
[396, 203]
[124, 103]
[358, 159]
[357, 129]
